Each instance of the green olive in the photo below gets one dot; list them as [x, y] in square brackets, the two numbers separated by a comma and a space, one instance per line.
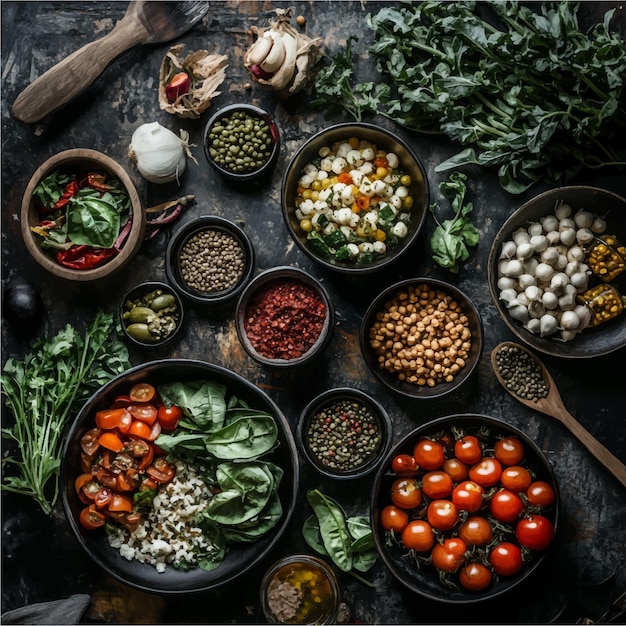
[163, 301]
[140, 314]
[140, 332]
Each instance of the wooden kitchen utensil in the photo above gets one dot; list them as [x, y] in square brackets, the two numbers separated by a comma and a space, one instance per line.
[145, 21]
[553, 406]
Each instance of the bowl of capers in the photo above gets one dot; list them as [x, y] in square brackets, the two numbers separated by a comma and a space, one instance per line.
[241, 142]
[151, 314]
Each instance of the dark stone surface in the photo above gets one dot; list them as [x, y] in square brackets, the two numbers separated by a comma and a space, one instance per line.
[41, 561]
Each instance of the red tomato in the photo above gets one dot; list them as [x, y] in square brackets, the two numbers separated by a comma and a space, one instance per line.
[509, 451]
[394, 518]
[506, 559]
[155, 431]
[535, 532]
[506, 506]
[89, 441]
[468, 450]
[475, 577]
[114, 418]
[143, 412]
[90, 518]
[142, 392]
[406, 493]
[436, 485]
[121, 402]
[540, 493]
[140, 429]
[468, 496]
[110, 441]
[121, 503]
[404, 465]
[428, 454]
[103, 497]
[161, 471]
[486, 472]
[442, 514]
[418, 536]
[169, 416]
[476, 531]
[516, 478]
[449, 555]
[455, 469]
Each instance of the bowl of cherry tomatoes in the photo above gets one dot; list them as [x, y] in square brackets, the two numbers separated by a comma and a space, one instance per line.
[464, 508]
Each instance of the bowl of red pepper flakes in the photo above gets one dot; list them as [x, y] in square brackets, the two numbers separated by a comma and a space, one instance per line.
[284, 317]
[81, 216]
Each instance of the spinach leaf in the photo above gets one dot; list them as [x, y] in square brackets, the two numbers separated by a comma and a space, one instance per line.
[93, 220]
[50, 189]
[258, 525]
[202, 401]
[313, 536]
[245, 438]
[214, 554]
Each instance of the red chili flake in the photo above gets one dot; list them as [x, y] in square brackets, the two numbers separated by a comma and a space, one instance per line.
[284, 320]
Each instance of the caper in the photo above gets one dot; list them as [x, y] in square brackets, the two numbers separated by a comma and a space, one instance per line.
[163, 301]
[139, 314]
[140, 332]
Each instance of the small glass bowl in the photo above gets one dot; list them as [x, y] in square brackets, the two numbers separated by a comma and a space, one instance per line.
[300, 589]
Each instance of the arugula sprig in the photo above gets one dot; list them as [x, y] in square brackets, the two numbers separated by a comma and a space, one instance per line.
[451, 238]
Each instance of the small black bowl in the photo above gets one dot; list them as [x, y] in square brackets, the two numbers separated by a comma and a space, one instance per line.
[222, 227]
[245, 173]
[264, 281]
[136, 324]
[380, 422]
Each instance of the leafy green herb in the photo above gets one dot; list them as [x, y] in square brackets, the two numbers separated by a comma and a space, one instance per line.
[44, 391]
[449, 242]
[93, 219]
[51, 188]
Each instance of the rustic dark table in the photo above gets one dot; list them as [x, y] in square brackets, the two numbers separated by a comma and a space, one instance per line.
[41, 560]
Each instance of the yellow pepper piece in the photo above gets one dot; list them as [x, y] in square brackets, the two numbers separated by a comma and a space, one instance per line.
[380, 235]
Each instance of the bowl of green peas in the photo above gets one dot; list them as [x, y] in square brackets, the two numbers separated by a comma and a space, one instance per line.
[242, 142]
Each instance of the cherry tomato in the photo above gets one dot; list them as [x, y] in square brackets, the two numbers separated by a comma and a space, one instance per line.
[142, 392]
[114, 418]
[442, 514]
[534, 532]
[406, 493]
[468, 496]
[139, 429]
[394, 518]
[121, 402]
[121, 503]
[161, 471]
[486, 472]
[455, 469]
[155, 431]
[81, 481]
[418, 536]
[429, 454]
[475, 577]
[516, 478]
[506, 559]
[436, 485]
[506, 506]
[540, 493]
[103, 497]
[110, 441]
[404, 465]
[90, 518]
[468, 450]
[169, 416]
[89, 441]
[476, 531]
[145, 412]
[449, 555]
[509, 451]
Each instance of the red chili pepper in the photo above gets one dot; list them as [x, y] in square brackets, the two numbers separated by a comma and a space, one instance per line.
[71, 190]
[96, 181]
[84, 257]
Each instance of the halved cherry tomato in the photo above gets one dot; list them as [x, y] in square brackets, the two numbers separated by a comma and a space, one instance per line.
[468, 449]
[476, 531]
[506, 559]
[169, 416]
[506, 506]
[142, 392]
[468, 496]
[103, 497]
[86, 461]
[81, 481]
[114, 418]
[436, 484]
[449, 555]
[516, 478]
[143, 412]
[121, 503]
[147, 459]
[130, 521]
[111, 441]
[455, 469]
[128, 481]
[89, 441]
[155, 432]
[121, 402]
[147, 484]
[429, 454]
[138, 447]
[418, 536]
[161, 471]
[442, 514]
[406, 493]
[404, 465]
[486, 472]
[394, 518]
[91, 518]
[106, 478]
[475, 577]
[509, 451]
[140, 429]
[91, 489]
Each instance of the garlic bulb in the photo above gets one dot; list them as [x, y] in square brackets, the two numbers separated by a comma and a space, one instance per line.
[159, 154]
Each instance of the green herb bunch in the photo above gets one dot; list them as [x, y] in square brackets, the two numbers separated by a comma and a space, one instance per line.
[44, 391]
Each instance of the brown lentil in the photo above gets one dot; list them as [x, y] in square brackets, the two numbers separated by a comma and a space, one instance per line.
[422, 335]
[521, 373]
[604, 302]
[212, 261]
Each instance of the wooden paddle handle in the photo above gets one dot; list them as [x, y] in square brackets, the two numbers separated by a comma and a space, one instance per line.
[70, 77]
[611, 462]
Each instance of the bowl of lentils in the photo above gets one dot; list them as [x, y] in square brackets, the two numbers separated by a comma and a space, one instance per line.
[343, 433]
[284, 317]
[241, 142]
[209, 260]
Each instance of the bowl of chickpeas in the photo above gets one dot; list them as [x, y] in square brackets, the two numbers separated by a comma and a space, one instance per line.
[354, 197]
[422, 338]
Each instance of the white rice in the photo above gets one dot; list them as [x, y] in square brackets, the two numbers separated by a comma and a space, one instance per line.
[168, 534]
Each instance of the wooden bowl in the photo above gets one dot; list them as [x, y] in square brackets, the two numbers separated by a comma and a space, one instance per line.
[73, 161]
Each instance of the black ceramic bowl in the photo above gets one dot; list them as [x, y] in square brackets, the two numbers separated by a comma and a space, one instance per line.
[425, 580]
[592, 341]
[217, 139]
[208, 260]
[420, 388]
[356, 435]
[141, 304]
[299, 316]
[240, 557]
[382, 139]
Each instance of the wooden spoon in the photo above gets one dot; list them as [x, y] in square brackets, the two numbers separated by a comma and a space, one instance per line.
[553, 406]
[145, 21]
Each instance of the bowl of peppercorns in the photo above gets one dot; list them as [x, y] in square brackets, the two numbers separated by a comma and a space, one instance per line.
[209, 260]
[344, 432]
[284, 317]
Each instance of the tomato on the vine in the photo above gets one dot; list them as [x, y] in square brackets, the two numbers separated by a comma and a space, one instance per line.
[442, 514]
[468, 496]
[506, 506]
[509, 450]
[436, 484]
[506, 559]
[535, 532]
[476, 531]
[404, 465]
[429, 454]
[475, 577]
[449, 555]
[394, 518]
[468, 449]
[406, 493]
[540, 493]
[455, 469]
[418, 536]
[486, 472]
[516, 478]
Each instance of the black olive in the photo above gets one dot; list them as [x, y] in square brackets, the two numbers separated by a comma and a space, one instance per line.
[21, 301]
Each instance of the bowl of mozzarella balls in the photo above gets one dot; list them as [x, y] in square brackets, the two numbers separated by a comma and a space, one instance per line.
[557, 272]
